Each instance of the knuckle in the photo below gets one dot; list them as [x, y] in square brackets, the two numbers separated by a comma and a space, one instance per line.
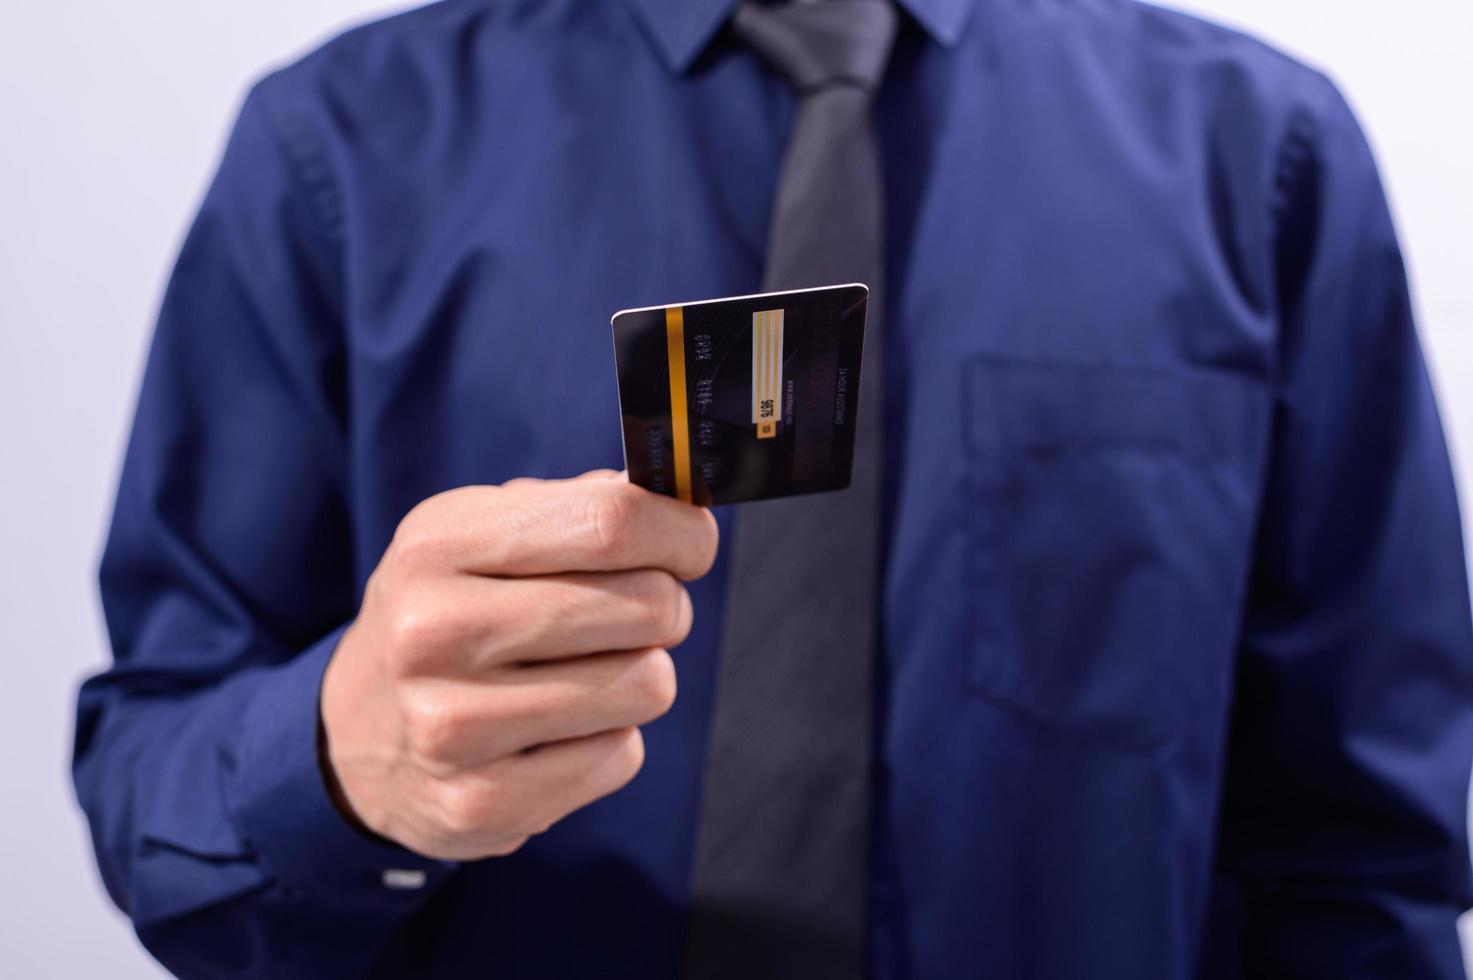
[710, 543]
[431, 728]
[465, 809]
[508, 847]
[414, 629]
[680, 612]
[420, 538]
[655, 681]
[416, 542]
[628, 757]
[611, 513]
[378, 590]
[663, 604]
[538, 823]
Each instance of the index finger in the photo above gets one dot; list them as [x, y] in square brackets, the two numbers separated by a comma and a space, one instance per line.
[544, 527]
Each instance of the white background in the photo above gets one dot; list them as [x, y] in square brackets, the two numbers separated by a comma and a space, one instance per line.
[111, 116]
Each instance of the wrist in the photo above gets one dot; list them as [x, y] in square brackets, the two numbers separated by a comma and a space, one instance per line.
[328, 723]
[334, 786]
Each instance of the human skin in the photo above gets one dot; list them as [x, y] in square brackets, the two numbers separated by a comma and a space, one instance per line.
[510, 643]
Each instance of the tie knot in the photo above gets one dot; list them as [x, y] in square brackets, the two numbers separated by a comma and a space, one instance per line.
[821, 44]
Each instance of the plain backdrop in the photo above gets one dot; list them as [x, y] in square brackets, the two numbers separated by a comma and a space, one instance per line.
[111, 117]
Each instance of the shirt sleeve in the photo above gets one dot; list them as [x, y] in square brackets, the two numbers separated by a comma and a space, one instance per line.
[225, 581]
[1343, 846]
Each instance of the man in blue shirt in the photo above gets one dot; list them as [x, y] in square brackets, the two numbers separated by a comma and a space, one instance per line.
[1177, 672]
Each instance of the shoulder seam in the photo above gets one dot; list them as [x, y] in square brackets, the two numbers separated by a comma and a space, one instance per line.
[308, 168]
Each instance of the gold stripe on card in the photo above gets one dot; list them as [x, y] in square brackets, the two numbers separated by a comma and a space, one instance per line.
[769, 428]
[679, 413]
[767, 370]
[756, 367]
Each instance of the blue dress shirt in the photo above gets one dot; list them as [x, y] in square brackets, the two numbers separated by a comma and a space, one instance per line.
[1178, 673]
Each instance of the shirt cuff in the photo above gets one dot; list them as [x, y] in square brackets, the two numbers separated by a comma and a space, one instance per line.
[285, 813]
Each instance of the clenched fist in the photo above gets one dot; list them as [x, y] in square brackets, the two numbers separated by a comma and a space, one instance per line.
[510, 643]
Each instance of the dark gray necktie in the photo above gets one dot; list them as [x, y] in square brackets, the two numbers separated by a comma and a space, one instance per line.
[779, 886]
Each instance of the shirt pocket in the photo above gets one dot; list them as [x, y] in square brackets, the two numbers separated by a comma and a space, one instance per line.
[1111, 515]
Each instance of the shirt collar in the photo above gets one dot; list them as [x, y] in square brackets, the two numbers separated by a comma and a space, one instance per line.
[681, 29]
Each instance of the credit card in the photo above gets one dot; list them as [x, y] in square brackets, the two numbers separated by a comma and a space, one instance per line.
[744, 398]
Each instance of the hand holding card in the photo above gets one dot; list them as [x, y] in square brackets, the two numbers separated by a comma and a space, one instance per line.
[745, 398]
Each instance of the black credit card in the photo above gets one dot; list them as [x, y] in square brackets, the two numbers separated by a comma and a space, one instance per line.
[745, 398]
